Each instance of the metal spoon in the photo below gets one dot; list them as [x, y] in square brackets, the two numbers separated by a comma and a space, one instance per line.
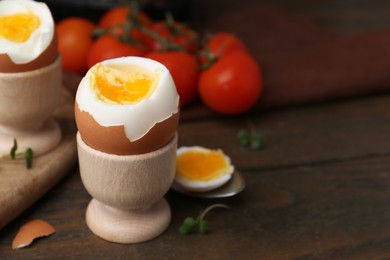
[235, 185]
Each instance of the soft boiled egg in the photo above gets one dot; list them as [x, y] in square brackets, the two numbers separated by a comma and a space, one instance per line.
[200, 169]
[27, 36]
[127, 106]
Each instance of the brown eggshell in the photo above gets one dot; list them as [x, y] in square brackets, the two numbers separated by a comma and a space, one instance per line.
[47, 57]
[31, 230]
[113, 139]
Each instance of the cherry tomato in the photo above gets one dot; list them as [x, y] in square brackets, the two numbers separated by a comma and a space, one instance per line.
[218, 45]
[184, 70]
[109, 47]
[175, 33]
[223, 43]
[232, 85]
[74, 41]
[118, 16]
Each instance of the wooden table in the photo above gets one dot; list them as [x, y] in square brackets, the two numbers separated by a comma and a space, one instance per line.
[319, 188]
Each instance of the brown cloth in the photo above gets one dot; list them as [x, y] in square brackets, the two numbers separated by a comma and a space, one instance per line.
[304, 63]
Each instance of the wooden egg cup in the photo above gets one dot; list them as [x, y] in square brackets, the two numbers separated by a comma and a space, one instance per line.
[27, 102]
[128, 205]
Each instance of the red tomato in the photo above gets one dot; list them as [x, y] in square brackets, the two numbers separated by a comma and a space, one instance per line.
[119, 16]
[218, 45]
[184, 70]
[232, 85]
[74, 41]
[178, 34]
[223, 43]
[109, 47]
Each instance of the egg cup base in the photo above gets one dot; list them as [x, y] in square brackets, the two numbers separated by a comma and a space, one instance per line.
[128, 226]
[41, 140]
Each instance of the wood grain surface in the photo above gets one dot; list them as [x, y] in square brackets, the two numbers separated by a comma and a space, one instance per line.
[318, 189]
[308, 195]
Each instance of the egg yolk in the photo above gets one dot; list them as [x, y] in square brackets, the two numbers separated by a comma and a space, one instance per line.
[122, 84]
[18, 27]
[201, 165]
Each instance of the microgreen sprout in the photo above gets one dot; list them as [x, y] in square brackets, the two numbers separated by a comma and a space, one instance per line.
[190, 224]
[251, 138]
[28, 154]
[12, 152]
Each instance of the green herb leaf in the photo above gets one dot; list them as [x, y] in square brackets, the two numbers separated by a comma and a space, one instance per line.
[28, 156]
[251, 138]
[12, 153]
[190, 222]
[184, 230]
[256, 141]
[243, 137]
[188, 226]
[204, 226]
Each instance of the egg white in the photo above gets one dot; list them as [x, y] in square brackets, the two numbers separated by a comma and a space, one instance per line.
[39, 40]
[203, 186]
[137, 118]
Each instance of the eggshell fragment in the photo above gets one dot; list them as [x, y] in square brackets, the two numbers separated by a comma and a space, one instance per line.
[31, 230]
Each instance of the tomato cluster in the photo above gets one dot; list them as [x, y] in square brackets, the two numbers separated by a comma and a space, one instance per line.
[221, 70]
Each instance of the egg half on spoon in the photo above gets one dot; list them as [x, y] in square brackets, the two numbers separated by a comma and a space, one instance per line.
[199, 169]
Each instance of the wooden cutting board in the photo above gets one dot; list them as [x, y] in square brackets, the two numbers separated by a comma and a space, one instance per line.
[21, 187]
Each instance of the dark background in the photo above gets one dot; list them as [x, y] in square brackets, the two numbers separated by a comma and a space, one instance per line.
[342, 17]
[93, 9]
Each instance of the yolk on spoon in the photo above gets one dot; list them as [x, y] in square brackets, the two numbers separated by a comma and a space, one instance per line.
[201, 165]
